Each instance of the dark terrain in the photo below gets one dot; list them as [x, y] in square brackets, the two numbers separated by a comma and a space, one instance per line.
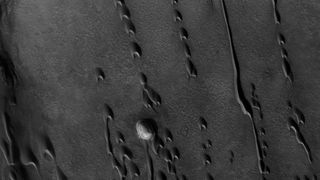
[229, 89]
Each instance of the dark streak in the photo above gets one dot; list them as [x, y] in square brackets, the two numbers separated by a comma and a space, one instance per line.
[287, 70]
[281, 41]
[276, 14]
[120, 169]
[299, 137]
[107, 137]
[8, 68]
[149, 163]
[5, 150]
[243, 102]
[60, 174]
[191, 69]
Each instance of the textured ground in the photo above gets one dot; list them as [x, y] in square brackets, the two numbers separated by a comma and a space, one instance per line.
[232, 86]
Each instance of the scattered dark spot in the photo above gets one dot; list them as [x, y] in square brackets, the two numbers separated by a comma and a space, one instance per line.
[60, 174]
[119, 137]
[202, 123]
[262, 132]
[31, 157]
[166, 155]
[143, 79]
[108, 112]
[299, 115]
[49, 146]
[264, 145]
[184, 177]
[125, 152]
[12, 174]
[171, 168]
[204, 146]
[157, 144]
[255, 103]
[277, 17]
[133, 169]
[161, 175]
[147, 102]
[315, 177]
[209, 143]
[175, 153]
[287, 70]
[206, 159]
[265, 169]
[100, 74]
[187, 50]
[209, 176]
[264, 153]
[136, 51]
[7, 67]
[289, 104]
[281, 39]
[5, 149]
[12, 99]
[8, 126]
[107, 130]
[124, 12]
[177, 15]
[183, 33]
[129, 27]
[284, 53]
[120, 2]
[120, 169]
[231, 157]
[168, 135]
[153, 95]
[191, 69]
